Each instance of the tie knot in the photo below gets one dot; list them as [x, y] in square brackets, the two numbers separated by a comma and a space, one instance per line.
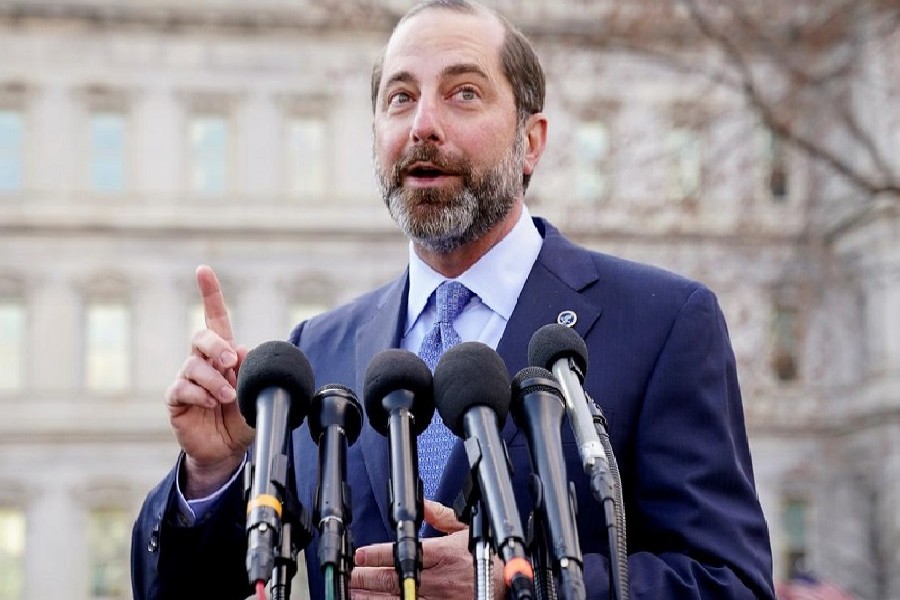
[452, 297]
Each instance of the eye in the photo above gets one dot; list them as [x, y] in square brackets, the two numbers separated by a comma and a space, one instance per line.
[466, 93]
[399, 98]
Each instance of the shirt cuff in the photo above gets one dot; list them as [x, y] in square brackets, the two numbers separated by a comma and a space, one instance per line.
[192, 511]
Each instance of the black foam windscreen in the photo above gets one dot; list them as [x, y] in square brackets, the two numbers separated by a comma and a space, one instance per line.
[467, 375]
[275, 364]
[553, 342]
[392, 370]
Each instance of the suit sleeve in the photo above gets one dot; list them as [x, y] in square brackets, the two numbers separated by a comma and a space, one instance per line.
[695, 525]
[170, 560]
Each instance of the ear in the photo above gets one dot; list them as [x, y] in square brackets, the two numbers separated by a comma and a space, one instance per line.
[535, 141]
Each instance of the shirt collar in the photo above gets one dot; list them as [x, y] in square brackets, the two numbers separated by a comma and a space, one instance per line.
[497, 278]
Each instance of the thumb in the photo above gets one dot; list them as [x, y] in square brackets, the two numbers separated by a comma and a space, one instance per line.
[442, 517]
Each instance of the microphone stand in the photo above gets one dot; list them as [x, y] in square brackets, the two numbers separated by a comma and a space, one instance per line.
[536, 542]
[285, 566]
[606, 487]
[345, 566]
[544, 588]
[482, 552]
[470, 509]
[296, 533]
[339, 562]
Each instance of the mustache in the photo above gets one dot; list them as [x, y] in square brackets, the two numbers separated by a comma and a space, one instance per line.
[429, 154]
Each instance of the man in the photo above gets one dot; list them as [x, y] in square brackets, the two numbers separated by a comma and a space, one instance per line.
[458, 131]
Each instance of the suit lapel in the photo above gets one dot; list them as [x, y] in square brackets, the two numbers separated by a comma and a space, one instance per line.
[381, 332]
[562, 271]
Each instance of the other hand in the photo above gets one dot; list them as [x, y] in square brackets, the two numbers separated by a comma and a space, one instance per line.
[448, 568]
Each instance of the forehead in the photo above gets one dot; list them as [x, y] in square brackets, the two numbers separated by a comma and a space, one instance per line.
[435, 39]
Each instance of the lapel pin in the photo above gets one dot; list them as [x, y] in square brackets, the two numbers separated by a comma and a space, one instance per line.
[567, 318]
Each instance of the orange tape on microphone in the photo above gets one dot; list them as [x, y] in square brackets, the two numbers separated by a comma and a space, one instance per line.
[265, 500]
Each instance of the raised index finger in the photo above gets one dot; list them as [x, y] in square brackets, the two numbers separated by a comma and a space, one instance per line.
[214, 310]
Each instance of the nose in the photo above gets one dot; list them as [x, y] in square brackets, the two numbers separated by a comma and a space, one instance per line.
[426, 125]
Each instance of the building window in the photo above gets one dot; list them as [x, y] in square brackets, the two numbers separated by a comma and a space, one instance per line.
[12, 345]
[107, 133]
[795, 512]
[12, 553]
[306, 156]
[108, 345]
[592, 149]
[209, 154]
[685, 151]
[109, 538]
[785, 343]
[11, 144]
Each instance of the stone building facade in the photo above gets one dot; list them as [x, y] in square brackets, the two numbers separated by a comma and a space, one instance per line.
[139, 139]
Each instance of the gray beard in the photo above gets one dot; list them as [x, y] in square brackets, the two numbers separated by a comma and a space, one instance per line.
[443, 220]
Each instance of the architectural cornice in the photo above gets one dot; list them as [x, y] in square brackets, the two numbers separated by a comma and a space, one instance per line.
[191, 17]
[598, 23]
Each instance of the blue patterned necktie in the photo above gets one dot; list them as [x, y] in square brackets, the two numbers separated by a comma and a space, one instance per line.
[436, 441]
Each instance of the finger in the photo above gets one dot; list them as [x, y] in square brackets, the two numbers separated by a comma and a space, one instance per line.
[242, 352]
[375, 555]
[214, 310]
[209, 345]
[231, 374]
[358, 594]
[443, 550]
[442, 517]
[198, 371]
[184, 393]
[374, 580]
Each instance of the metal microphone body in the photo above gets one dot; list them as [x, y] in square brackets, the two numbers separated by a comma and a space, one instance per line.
[589, 447]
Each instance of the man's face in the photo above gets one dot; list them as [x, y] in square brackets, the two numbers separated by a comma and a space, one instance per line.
[448, 152]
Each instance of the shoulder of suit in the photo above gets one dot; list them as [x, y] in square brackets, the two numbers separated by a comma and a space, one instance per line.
[346, 317]
[619, 274]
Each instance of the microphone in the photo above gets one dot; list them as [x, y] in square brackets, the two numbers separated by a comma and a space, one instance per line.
[561, 350]
[537, 408]
[400, 404]
[273, 388]
[335, 420]
[471, 390]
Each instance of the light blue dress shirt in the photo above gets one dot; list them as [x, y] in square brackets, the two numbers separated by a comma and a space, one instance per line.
[496, 279]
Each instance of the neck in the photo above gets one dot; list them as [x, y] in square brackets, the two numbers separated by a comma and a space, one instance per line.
[457, 261]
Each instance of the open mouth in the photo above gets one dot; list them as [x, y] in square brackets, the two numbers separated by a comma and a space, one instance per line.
[425, 173]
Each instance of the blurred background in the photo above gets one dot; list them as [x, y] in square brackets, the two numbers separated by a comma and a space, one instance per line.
[754, 145]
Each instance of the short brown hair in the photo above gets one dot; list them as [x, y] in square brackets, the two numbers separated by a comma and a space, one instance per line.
[517, 56]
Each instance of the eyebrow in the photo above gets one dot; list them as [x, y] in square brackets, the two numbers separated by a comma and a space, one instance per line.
[464, 69]
[452, 70]
[400, 77]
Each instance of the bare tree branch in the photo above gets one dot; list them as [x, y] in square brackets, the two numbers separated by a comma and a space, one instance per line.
[884, 183]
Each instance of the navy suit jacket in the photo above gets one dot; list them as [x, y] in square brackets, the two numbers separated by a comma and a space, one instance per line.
[661, 368]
